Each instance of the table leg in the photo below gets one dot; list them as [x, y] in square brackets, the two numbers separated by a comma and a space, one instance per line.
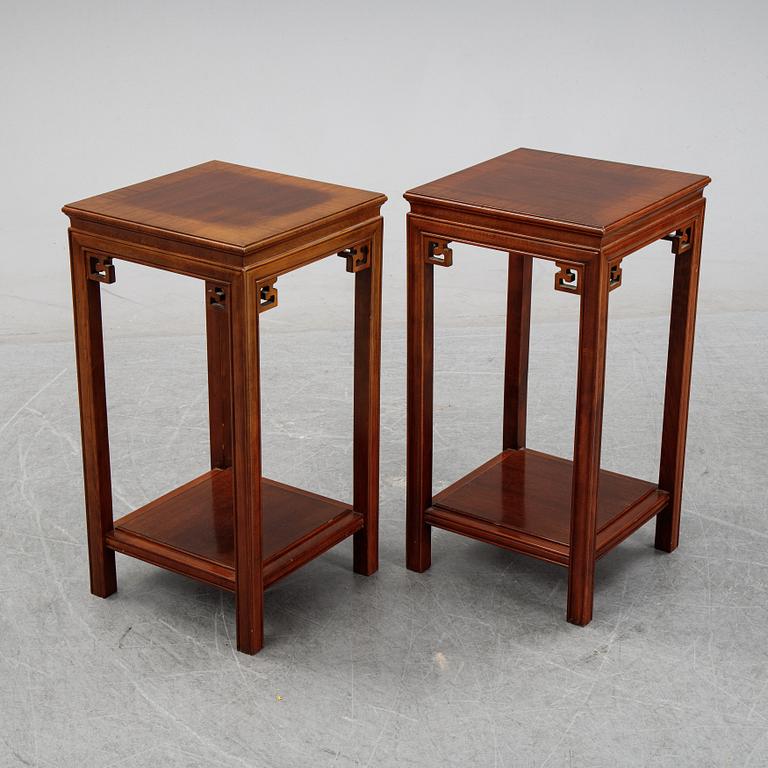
[366, 408]
[219, 378]
[593, 329]
[420, 298]
[89, 343]
[516, 359]
[246, 432]
[678, 385]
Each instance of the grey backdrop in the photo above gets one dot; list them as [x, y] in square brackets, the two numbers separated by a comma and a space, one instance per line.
[473, 661]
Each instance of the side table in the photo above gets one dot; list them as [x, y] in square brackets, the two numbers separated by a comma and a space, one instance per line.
[237, 229]
[585, 216]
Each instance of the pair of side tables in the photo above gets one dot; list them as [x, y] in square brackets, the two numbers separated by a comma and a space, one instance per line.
[238, 229]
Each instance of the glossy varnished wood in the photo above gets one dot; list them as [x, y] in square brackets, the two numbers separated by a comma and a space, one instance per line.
[420, 276]
[219, 378]
[365, 440]
[246, 459]
[237, 229]
[89, 345]
[526, 496]
[194, 527]
[677, 387]
[225, 207]
[568, 190]
[586, 216]
[590, 381]
[519, 277]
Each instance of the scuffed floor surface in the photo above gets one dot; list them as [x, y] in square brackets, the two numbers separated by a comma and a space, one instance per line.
[469, 664]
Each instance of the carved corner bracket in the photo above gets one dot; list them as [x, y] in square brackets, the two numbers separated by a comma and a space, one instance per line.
[614, 274]
[217, 298]
[357, 258]
[681, 239]
[568, 278]
[439, 253]
[101, 269]
[267, 294]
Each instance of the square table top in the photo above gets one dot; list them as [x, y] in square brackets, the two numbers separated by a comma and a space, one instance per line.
[570, 190]
[224, 205]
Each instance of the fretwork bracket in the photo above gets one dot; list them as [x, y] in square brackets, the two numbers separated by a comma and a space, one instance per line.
[101, 269]
[681, 239]
[439, 253]
[614, 274]
[267, 295]
[217, 298]
[357, 258]
[568, 278]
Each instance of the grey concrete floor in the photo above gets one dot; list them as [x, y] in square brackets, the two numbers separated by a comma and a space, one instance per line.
[471, 663]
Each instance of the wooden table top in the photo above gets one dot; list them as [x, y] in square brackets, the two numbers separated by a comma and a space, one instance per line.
[225, 205]
[528, 183]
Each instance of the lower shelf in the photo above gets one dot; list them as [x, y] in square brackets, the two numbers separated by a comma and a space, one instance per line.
[191, 530]
[521, 500]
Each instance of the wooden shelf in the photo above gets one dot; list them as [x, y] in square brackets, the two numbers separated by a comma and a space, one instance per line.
[190, 530]
[521, 500]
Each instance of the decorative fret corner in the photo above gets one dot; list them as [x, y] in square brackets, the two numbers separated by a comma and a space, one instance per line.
[568, 278]
[439, 253]
[267, 295]
[217, 298]
[101, 269]
[681, 239]
[357, 258]
[614, 275]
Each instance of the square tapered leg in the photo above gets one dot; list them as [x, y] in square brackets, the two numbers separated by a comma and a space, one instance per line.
[366, 407]
[593, 329]
[88, 272]
[687, 249]
[420, 372]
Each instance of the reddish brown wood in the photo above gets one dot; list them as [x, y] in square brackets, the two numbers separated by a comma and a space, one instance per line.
[522, 499]
[678, 385]
[237, 229]
[585, 215]
[593, 330]
[564, 189]
[530, 491]
[184, 563]
[219, 374]
[227, 208]
[420, 371]
[520, 271]
[366, 404]
[246, 455]
[89, 343]
[192, 528]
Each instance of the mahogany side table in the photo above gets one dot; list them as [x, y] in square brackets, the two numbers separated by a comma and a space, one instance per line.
[585, 216]
[237, 229]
